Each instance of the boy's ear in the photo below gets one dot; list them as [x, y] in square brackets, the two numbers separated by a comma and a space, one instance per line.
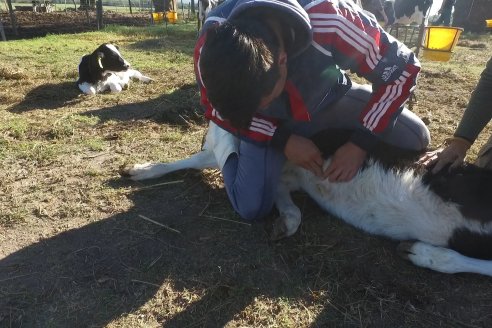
[282, 60]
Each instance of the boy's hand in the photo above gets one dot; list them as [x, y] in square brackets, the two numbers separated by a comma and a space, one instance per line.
[303, 152]
[345, 163]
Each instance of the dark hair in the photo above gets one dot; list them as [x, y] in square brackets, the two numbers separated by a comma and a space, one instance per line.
[238, 66]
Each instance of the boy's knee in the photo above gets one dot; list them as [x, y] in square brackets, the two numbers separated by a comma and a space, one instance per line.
[418, 132]
[425, 137]
[409, 132]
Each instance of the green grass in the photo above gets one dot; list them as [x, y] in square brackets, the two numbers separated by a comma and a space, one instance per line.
[45, 121]
[15, 128]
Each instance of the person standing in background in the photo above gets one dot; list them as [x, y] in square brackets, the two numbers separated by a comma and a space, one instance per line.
[446, 12]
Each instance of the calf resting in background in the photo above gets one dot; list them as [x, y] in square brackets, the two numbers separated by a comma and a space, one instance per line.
[445, 220]
[105, 69]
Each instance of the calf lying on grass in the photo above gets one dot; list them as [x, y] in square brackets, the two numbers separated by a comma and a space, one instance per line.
[446, 218]
[105, 69]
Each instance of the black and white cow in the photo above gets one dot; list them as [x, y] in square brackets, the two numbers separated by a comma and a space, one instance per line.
[105, 69]
[397, 12]
[446, 217]
[374, 7]
[406, 12]
[204, 7]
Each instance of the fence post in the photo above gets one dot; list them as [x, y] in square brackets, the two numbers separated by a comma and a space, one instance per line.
[99, 14]
[13, 19]
[2, 32]
[420, 37]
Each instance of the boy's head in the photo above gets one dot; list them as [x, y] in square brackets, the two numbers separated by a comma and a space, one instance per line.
[243, 65]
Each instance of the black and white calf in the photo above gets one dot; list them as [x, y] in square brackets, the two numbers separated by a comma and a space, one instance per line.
[444, 219]
[105, 69]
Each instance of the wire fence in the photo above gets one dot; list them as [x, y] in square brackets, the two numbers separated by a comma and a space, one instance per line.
[41, 17]
[114, 5]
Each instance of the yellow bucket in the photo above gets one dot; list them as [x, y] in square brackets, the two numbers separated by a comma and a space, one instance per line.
[169, 16]
[488, 23]
[172, 16]
[158, 17]
[439, 42]
[436, 55]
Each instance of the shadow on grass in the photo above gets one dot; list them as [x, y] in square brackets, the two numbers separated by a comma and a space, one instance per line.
[95, 274]
[181, 107]
[213, 271]
[48, 96]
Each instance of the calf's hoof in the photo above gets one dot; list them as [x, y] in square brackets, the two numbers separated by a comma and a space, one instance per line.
[146, 79]
[136, 171]
[282, 228]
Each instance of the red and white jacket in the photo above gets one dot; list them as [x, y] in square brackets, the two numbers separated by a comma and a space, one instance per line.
[339, 36]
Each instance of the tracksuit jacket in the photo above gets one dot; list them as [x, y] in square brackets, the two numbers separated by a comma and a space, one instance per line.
[330, 36]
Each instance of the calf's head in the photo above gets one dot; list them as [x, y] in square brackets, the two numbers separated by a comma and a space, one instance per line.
[468, 186]
[109, 58]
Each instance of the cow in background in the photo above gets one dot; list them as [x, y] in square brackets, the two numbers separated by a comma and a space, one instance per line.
[376, 7]
[397, 12]
[204, 7]
[406, 12]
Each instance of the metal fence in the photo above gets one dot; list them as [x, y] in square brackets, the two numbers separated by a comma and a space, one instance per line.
[115, 5]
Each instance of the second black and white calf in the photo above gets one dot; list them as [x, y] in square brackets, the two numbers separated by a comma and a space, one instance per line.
[445, 219]
[397, 12]
[406, 12]
[106, 69]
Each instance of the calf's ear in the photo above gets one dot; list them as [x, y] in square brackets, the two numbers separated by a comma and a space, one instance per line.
[100, 56]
